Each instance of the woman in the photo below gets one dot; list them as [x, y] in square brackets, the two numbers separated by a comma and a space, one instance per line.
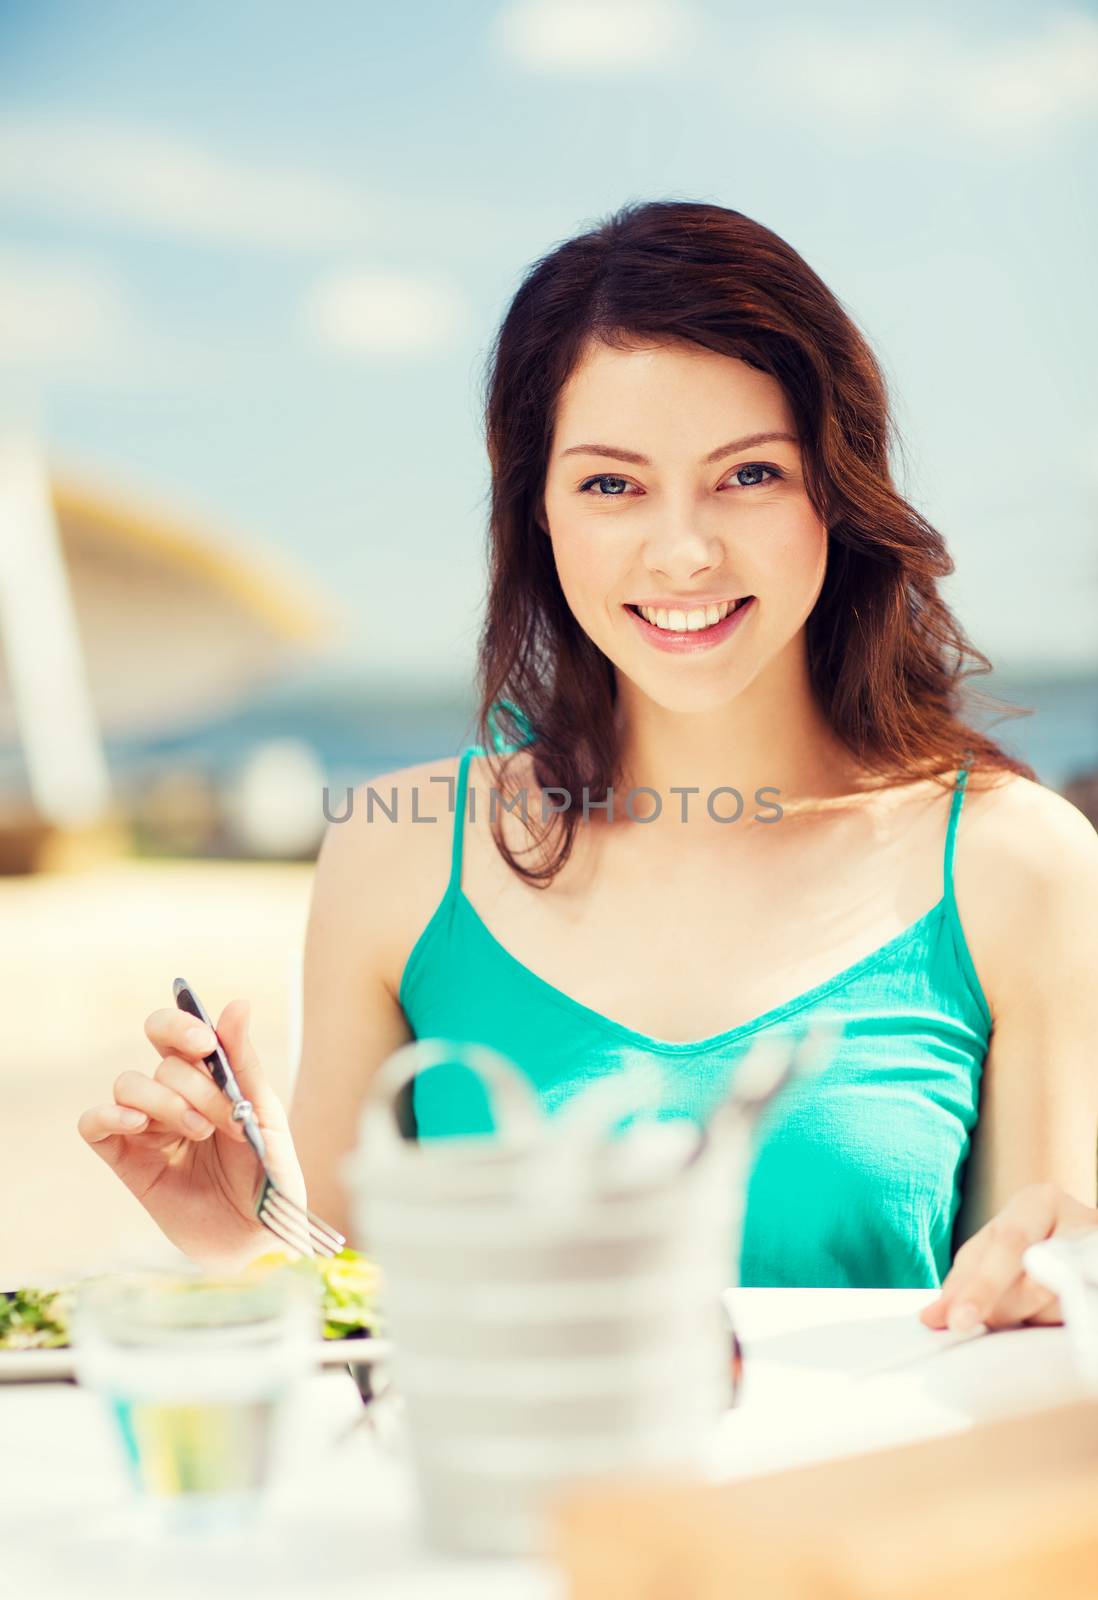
[705, 589]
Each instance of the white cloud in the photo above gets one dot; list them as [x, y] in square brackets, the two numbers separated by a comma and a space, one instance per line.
[384, 313]
[592, 38]
[67, 318]
[1009, 87]
[136, 174]
[59, 309]
[1034, 81]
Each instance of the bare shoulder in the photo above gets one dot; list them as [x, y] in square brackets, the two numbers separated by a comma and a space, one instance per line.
[1014, 825]
[385, 859]
[1025, 876]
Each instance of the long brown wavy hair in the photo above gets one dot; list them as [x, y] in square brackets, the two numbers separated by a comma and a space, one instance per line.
[887, 657]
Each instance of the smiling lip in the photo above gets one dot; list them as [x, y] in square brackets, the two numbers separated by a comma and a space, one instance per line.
[691, 643]
[692, 602]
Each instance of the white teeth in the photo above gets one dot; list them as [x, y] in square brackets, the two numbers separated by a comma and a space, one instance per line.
[687, 621]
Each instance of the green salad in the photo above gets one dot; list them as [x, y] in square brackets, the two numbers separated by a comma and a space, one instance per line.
[38, 1319]
[34, 1319]
[348, 1284]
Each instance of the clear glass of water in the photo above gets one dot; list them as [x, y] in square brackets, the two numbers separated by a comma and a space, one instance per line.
[196, 1372]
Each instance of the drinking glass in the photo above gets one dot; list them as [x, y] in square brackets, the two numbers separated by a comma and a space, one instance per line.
[197, 1372]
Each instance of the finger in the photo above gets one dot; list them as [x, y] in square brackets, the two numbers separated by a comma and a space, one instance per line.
[99, 1123]
[163, 1105]
[934, 1315]
[107, 1129]
[199, 1090]
[236, 1041]
[1025, 1301]
[987, 1277]
[176, 1032]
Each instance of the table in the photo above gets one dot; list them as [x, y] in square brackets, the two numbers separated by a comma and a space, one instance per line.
[342, 1513]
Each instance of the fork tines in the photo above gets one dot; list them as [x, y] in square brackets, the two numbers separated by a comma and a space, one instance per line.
[294, 1225]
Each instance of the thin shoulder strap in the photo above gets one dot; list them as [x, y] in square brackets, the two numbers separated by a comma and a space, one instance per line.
[501, 747]
[460, 791]
[951, 830]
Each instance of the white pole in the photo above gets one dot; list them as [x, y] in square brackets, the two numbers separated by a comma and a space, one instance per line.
[40, 638]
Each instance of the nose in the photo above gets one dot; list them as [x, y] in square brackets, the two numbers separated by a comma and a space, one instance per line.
[680, 552]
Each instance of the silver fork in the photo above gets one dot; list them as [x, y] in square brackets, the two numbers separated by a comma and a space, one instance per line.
[294, 1224]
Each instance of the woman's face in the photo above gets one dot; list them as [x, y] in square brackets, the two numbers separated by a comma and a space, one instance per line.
[645, 506]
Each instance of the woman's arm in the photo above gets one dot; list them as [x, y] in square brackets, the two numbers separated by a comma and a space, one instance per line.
[374, 886]
[1030, 891]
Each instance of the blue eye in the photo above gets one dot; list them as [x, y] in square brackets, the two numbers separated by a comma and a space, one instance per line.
[617, 494]
[756, 466]
[603, 477]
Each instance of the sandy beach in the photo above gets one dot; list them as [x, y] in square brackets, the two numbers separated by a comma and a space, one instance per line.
[85, 956]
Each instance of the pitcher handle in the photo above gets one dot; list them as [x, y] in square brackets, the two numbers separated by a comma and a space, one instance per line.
[515, 1105]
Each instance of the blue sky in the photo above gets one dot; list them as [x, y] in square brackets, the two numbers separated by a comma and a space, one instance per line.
[253, 255]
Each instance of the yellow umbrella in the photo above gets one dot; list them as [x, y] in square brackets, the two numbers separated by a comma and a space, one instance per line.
[121, 618]
[176, 621]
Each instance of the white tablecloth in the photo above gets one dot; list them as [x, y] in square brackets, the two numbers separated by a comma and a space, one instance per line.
[343, 1513]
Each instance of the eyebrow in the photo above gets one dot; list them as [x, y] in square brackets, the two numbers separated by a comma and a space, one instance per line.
[723, 450]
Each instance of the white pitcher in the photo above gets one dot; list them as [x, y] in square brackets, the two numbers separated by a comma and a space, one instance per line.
[553, 1292]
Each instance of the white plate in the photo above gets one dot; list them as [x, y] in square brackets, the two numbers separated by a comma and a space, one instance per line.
[31, 1366]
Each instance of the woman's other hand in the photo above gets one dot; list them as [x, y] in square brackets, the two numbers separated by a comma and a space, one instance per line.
[987, 1282]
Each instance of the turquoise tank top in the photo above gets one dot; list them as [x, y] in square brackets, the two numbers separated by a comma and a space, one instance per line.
[857, 1168]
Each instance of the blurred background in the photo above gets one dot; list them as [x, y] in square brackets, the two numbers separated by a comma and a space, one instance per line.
[252, 258]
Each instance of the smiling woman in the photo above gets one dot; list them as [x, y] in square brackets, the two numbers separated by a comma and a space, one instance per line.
[674, 613]
[704, 582]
